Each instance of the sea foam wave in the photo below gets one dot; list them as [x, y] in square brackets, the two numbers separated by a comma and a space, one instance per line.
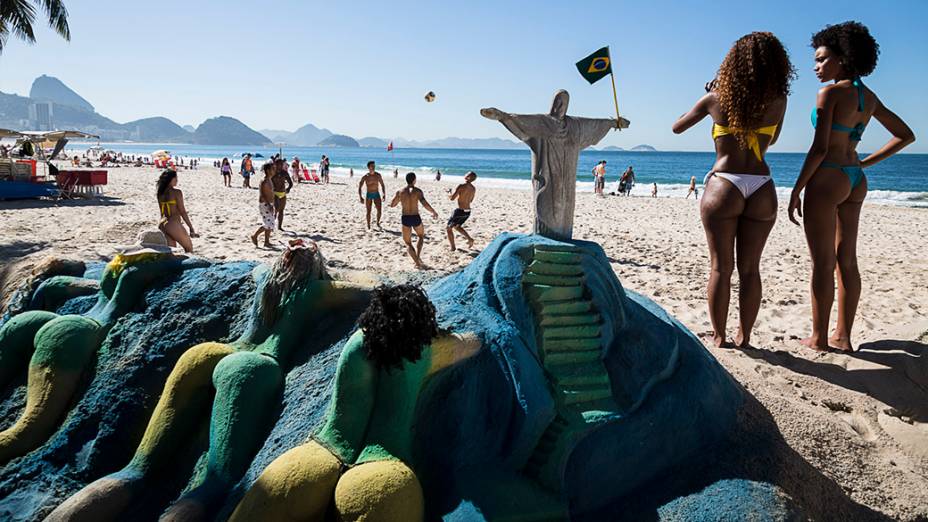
[671, 190]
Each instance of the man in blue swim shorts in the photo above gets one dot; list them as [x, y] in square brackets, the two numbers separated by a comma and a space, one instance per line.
[372, 182]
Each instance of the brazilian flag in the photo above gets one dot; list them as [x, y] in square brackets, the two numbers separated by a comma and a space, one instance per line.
[595, 66]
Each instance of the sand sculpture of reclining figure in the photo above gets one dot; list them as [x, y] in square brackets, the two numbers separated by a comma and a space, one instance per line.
[360, 459]
[247, 377]
[58, 349]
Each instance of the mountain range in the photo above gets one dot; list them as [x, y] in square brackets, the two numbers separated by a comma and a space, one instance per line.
[53, 105]
[636, 148]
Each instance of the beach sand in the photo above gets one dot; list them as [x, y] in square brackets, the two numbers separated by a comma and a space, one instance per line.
[861, 420]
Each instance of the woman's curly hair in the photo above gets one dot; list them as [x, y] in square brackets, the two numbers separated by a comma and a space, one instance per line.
[397, 324]
[852, 43]
[755, 72]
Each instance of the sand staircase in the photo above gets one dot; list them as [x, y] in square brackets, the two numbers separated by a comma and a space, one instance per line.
[569, 336]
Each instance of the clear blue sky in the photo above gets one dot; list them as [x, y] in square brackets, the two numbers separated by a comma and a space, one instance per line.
[361, 68]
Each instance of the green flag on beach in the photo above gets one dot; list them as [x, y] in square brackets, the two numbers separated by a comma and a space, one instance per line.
[595, 66]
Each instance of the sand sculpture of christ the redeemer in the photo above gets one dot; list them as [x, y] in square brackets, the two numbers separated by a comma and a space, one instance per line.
[556, 140]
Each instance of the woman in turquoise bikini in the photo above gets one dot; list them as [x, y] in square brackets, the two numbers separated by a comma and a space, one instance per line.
[833, 177]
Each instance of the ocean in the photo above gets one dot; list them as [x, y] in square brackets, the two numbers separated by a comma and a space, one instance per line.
[901, 180]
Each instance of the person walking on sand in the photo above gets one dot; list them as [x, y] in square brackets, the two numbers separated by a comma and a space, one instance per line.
[437, 175]
[747, 103]
[833, 176]
[396, 173]
[693, 189]
[226, 170]
[464, 193]
[171, 205]
[410, 197]
[248, 170]
[372, 182]
[295, 170]
[266, 208]
[653, 190]
[282, 184]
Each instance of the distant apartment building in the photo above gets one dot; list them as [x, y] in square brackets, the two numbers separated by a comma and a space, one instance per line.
[41, 116]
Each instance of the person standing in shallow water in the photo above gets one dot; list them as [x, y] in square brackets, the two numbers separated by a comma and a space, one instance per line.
[410, 197]
[171, 206]
[599, 177]
[747, 103]
[833, 177]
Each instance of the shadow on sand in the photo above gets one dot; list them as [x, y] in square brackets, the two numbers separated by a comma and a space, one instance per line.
[101, 201]
[16, 249]
[756, 451]
[897, 377]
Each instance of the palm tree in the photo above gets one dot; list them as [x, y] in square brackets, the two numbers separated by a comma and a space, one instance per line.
[17, 17]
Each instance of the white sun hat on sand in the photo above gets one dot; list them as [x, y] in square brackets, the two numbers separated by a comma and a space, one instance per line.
[150, 241]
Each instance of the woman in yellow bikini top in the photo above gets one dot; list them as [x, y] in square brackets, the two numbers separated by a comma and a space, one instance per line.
[739, 203]
[750, 136]
[171, 207]
[166, 208]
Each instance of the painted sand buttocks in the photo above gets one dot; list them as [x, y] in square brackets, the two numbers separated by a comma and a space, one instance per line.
[59, 349]
[233, 388]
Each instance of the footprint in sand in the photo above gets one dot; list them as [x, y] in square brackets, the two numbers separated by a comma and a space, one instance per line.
[859, 425]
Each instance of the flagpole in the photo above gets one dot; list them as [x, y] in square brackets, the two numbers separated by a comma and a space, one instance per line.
[615, 97]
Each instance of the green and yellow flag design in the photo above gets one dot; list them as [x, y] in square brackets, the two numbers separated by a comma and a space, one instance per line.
[595, 66]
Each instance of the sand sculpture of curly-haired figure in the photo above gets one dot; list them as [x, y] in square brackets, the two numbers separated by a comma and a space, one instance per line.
[399, 321]
[360, 459]
[246, 377]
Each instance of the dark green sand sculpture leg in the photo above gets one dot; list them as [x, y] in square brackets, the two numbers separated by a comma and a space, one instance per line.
[64, 346]
[246, 383]
[181, 409]
[17, 338]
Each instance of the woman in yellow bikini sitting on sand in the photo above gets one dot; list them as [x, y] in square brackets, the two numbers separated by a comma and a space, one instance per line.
[171, 203]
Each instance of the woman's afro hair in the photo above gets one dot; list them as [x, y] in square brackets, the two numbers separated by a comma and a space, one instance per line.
[397, 324]
[852, 42]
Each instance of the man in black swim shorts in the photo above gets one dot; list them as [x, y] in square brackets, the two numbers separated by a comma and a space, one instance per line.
[465, 194]
[410, 197]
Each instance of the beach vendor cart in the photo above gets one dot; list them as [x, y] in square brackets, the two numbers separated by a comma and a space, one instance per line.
[26, 172]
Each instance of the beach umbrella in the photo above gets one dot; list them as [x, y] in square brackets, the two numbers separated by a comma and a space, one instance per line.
[160, 154]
